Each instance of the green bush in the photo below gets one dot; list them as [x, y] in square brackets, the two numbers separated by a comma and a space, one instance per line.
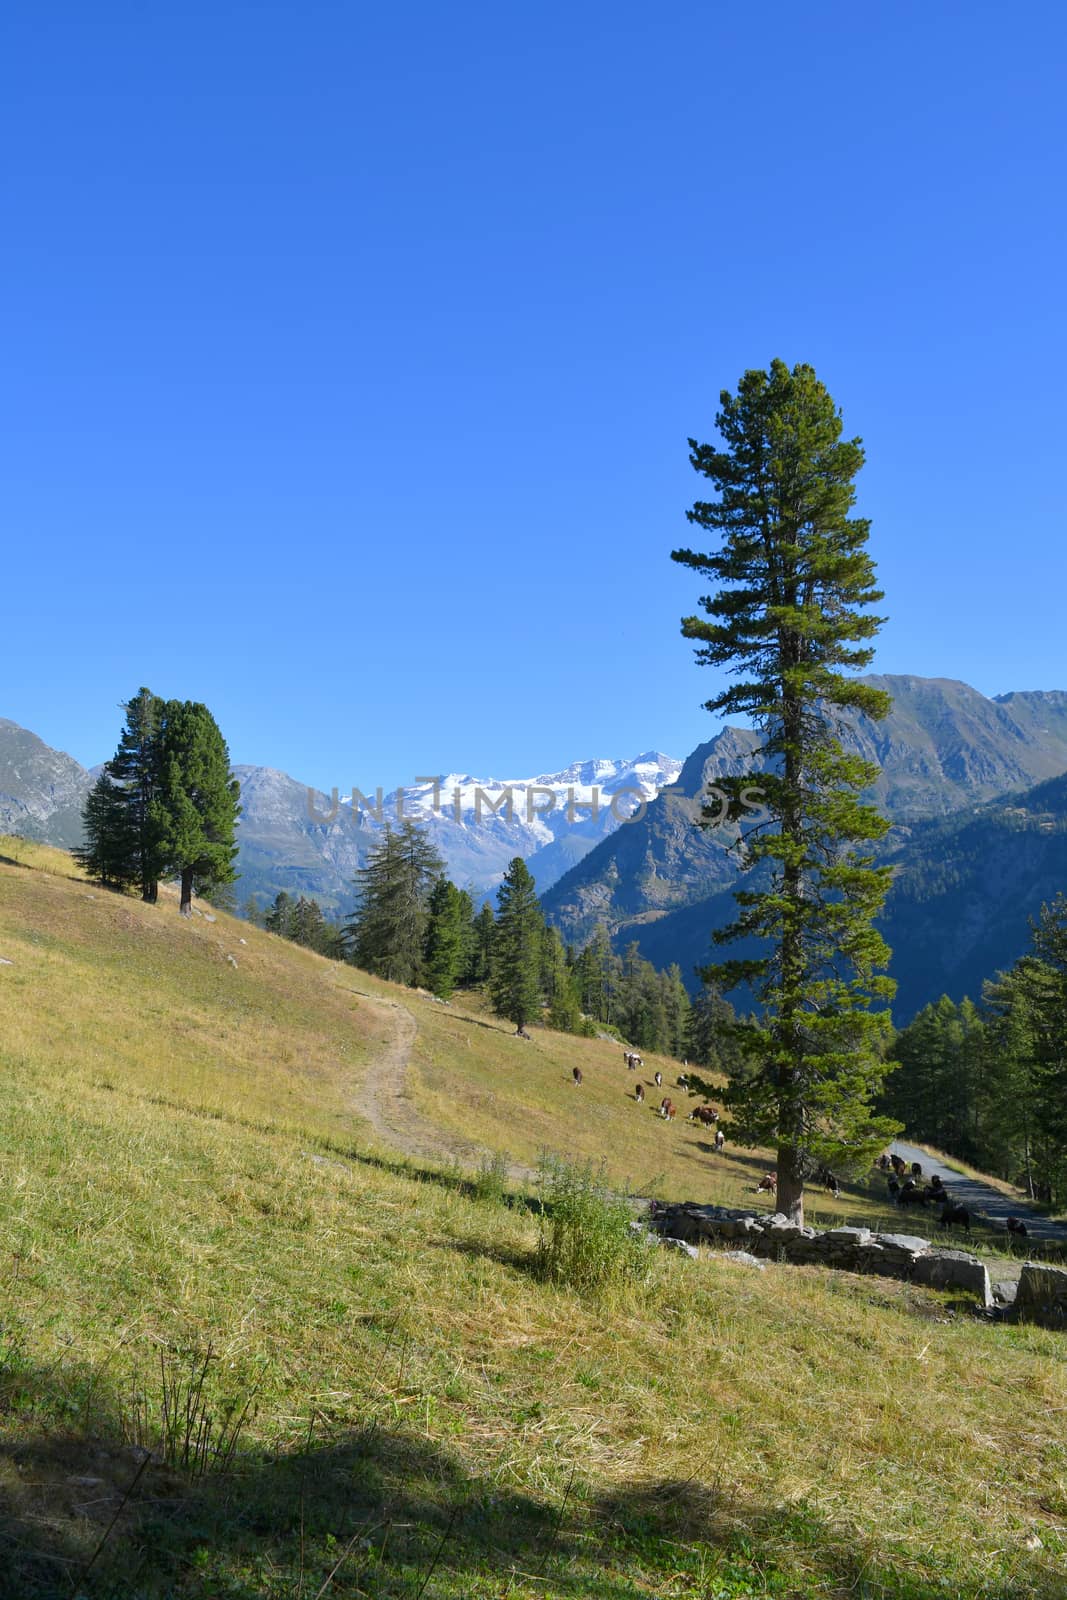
[586, 1241]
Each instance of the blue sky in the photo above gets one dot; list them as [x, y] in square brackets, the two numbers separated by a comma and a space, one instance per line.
[350, 354]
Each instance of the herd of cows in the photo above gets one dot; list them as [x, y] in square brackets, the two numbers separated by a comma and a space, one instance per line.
[905, 1185]
[705, 1115]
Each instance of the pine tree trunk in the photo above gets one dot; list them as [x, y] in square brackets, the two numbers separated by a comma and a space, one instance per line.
[186, 906]
[789, 1196]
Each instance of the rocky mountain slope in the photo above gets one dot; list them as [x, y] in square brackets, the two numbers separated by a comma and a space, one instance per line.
[943, 747]
[964, 889]
[41, 790]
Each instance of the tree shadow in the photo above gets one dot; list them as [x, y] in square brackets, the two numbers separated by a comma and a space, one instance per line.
[383, 1510]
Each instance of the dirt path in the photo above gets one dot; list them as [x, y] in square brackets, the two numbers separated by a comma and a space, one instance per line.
[386, 1100]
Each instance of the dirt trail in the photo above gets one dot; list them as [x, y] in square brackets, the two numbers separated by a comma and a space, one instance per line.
[386, 1101]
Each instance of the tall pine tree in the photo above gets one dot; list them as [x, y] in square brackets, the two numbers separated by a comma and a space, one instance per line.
[135, 769]
[515, 981]
[387, 933]
[787, 614]
[197, 801]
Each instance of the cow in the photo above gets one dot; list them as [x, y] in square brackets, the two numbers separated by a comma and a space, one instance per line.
[659, 1079]
[768, 1184]
[1016, 1227]
[576, 1074]
[683, 1082]
[829, 1182]
[707, 1115]
[666, 1109]
[639, 1093]
[720, 1140]
[952, 1213]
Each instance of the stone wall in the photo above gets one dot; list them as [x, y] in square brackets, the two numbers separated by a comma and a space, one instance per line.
[893, 1255]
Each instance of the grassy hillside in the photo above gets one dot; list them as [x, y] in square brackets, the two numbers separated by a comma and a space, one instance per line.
[189, 1169]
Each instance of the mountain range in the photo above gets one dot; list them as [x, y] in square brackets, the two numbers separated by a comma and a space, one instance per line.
[973, 786]
[977, 843]
[300, 840]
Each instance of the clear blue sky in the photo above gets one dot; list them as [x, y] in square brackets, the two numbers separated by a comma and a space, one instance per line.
[350, 353]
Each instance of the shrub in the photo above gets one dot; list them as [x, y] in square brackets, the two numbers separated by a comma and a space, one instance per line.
[586, 1241]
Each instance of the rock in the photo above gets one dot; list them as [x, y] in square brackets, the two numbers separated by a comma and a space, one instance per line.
[746, 1260]
[904, 1242]
[1005, 1291]
[954, 1269]
[242, 941]
[680, 1245]
[852, 1236]
[232, 960]
[1042, 1295]
[209, 918]
[4, 962]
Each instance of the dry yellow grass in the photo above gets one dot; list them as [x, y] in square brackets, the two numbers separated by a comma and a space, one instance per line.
[183, 1163]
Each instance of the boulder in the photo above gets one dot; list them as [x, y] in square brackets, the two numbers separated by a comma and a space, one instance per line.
[1042, 1295]
[954, 1269]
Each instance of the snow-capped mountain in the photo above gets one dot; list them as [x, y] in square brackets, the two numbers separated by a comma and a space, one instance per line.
[311, 843]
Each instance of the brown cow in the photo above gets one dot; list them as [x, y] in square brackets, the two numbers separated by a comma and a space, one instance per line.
[704, 1114]
[576, 1074]
[639, 1092]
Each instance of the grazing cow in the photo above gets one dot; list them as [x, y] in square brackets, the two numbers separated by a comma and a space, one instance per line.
[937, 1191]
[916, 1169]
[666, 1109]
[576, 1074]
[893, 1188]
[883, 1163]
[768, 1184]
[659, 1080]
[899, 1165]
[829, 1182]
[639, 1092]
[683, 1081]
[911, 1195]
[720, 1140]
[952, 1213]
[631, 1060]
[707, 1115]
[1016, 1227]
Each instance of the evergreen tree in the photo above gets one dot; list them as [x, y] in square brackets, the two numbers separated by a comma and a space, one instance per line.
[515, 979]
[558, 990]
[676, 1009]
[387, 933]
[278, 918]
[135, 768]
[195, 807]
[480, 956]
[710, 1037]
[791, 582]
[110, 851]
[446, 937]
[250, 912]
